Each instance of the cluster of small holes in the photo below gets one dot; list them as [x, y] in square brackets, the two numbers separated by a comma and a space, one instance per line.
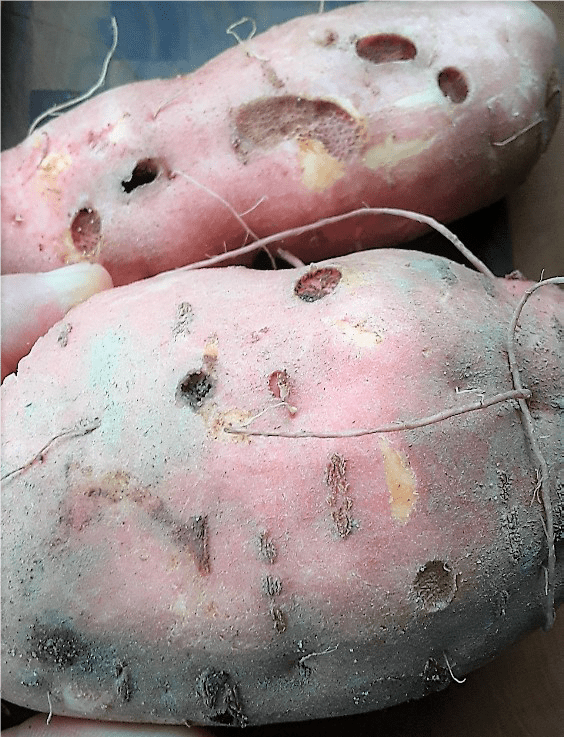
[317, 284]
[193, 389]
[145, 172]
[85, 230]
[435, 585]
[385, 47]
[453, 84]
[269, 121]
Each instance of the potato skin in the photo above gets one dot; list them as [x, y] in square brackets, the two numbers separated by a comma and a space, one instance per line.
[160, 569]
[321, 115]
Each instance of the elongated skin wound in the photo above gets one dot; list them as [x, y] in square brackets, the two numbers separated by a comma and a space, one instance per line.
[440, 108]
[159, 568]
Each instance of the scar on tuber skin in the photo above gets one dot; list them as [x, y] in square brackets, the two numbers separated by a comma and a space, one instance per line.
[70, 103]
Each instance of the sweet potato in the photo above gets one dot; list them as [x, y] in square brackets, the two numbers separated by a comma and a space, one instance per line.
[439, 108]
[162, 564]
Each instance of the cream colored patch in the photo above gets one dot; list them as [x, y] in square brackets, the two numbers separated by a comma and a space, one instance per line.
[51, 167]
[401, 483]
[119, 131]
[217, 423]
[392, 151]
[360, 333]
[319, 169]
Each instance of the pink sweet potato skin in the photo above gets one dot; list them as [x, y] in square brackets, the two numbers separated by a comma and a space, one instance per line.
[310, 119]
[159, 568]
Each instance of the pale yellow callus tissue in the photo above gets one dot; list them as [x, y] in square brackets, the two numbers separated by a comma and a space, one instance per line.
[393, 151]
[401, 482]
[319, 169]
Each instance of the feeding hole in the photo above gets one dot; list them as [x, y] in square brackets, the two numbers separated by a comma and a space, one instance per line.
[145, 172]
[317, 284]
[279, 384]
[85, 230]
[385, 47]
[193, 389]
[435, 585]
[453, 84]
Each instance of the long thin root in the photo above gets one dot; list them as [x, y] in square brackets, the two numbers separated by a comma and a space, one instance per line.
[528, 426]
[393, 426]
[363, 211]
[81, 98]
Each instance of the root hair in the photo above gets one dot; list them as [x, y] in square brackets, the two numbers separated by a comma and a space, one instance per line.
[81, 98]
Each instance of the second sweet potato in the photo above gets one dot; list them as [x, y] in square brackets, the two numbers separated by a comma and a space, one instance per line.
[158, 567]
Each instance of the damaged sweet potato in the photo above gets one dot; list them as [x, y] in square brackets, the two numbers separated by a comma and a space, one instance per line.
[440, 108]
[164, 563]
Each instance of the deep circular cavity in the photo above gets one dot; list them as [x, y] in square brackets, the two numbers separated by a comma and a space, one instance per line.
[385, 47]
[453, 84]
[145, 172]
[193, 389]
[85, 230]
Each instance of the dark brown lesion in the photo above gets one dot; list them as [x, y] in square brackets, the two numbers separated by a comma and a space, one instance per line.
[220, 698]
[435, 585]
[278, 618]
[266, 548]
[271, 585]
[339, 499]
[317, 283]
